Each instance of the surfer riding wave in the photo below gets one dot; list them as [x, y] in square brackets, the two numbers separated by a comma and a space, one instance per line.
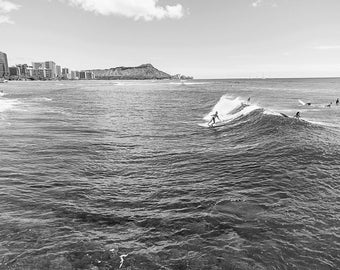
[227, 109]
[213, 121]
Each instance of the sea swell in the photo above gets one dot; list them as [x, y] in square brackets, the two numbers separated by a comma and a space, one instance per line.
[121, 182]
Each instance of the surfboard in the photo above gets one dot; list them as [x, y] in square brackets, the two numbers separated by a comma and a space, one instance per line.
[301, 102]
[304, 103]
[217, 124]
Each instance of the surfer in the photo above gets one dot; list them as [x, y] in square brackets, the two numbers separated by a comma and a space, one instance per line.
[329, 105]
[248, 100]
[213, 117]
[297, 115]
[337, 102]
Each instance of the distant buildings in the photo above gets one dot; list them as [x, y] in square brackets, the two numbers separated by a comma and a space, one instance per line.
[90, 75]
[23, 69]
[47, 70]
[65, 71]
[38, 65]
[58, 71]
[4, 70]
[14, 71]
[29, 72]
[86, 75]
[74, 75]
[50, 65]
[82, 75]
[39, 74]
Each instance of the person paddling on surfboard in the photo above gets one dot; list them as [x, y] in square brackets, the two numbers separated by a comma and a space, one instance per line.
[213, 117]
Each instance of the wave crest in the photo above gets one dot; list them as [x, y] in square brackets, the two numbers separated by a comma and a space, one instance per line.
[230, 109]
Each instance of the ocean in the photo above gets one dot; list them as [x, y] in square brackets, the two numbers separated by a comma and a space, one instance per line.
[127, 175]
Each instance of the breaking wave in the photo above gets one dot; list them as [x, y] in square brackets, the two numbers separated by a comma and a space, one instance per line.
[230, 109]
[234, 111]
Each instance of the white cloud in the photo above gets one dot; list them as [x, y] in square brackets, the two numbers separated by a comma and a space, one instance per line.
[268, 3]
[328, 47]
[136, 9]
[5, 8]
[5, 19]
[257, 3]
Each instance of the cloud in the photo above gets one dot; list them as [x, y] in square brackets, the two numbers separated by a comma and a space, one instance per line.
[5, 19]
[5, 8]
[137, 9]
[268, 3]
[328, 47]
[257, 3]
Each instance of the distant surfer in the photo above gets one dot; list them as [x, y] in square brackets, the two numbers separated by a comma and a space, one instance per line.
[297, 115]
[248, 100]
[213, 117]
[305, 104]
[329, 105]
[337, 102]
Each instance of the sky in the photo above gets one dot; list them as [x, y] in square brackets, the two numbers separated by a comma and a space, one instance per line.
[200, 38]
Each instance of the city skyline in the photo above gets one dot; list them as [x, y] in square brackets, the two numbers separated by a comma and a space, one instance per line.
[226, 39]
[45, 70]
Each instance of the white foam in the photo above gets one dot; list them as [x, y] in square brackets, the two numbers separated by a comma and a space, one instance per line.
[195, 83]
[187, 83]
[226, 105]
[269, 112]
[122, 259]
[43, 99]
[7, 104]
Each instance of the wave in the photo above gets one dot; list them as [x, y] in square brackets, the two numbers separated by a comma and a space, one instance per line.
[42, 99]
[8, 104]
[230, 109]
[187, 83]
[234, 111]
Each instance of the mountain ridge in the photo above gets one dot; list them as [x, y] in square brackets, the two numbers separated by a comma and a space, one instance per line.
[141, 72]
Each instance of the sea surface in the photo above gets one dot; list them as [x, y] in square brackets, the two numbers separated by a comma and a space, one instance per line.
[128, 175]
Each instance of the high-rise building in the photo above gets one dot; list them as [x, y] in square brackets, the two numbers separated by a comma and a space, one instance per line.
[49, 73]
[14, 71]
[39, 73]
[74, 75]
[52, 66]
[23, 69]
[38, 65]
[29, 71]
[4, 70]
[89, 75]
[82, 75]
[58, 71]
[65, 71]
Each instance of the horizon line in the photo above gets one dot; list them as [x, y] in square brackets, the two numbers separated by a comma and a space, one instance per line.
[269, 78]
